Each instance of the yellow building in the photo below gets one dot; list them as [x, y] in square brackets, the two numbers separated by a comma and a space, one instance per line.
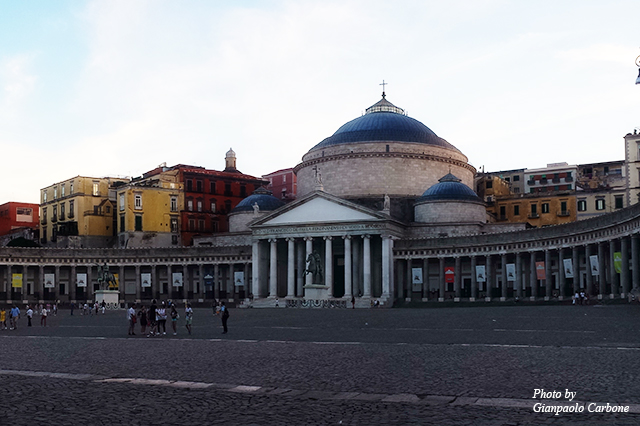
[538, 211]
[79, 212]
[149, 211]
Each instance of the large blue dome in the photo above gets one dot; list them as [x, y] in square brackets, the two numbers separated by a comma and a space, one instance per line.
[449, 187]
[262, 197]
[384, 122]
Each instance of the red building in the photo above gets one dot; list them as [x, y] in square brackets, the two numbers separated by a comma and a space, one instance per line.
[283, 184]
[210, 195]
[16, 217]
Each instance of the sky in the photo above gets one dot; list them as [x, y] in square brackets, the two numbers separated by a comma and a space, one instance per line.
[118, 87]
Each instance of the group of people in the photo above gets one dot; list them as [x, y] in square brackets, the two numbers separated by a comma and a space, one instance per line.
[89, 309]
[155, 317]
[14, 315]
[580, 298]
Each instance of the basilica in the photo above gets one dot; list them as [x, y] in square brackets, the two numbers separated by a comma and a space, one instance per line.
[385, 214]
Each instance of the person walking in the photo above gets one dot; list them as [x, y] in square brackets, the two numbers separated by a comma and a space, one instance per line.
[3, 318]
[161, 315]
[174, 319]
[29, 315]
[131, 316]
[43, 317]
[15, 316]
[73, 306]
[142, 314]
[188, 313]
[353, 302]
[153, 321]
[224, 314]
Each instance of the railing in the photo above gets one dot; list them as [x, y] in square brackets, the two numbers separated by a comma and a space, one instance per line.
[44, 221]
[564, 213]
[54, 219]
[568, 179]
[533, 215]
[531, 182]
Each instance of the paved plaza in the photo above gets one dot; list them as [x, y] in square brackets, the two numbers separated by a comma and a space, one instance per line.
[440, 366]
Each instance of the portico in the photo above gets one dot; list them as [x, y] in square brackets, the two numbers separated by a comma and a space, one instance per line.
[352, 245]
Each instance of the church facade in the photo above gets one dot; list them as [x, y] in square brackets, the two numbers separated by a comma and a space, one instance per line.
[385, 213]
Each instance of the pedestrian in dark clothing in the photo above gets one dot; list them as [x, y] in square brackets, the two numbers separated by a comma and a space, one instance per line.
[353, 302]
[224, 314]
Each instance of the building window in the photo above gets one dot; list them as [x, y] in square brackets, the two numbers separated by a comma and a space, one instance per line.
[189, 185]
[600, 204]
[122, 202]
[619, 202]
[44, 215]
[192, 224]
[582, 205]
[174, 239]
[62, 211]
[62, 189]
[201, 225]
[227, 206]
[44, 196]
[516, 210]
[516, 178]
[55, 193]
[138, 222]
[516, 190]
[213, 206]
[563, 207]
[212, 187]
[199, 185]
[174, 204]
[71, 188]
[534, 210]
[489, 184]
[122, 223]
[137, 201]
[71, 203]
[243, 191]
[545, 207]
[199, 205]
[96, 189]
[190, 205]
[227, 189]
[108, 209]
[174, 224]
[55, 213]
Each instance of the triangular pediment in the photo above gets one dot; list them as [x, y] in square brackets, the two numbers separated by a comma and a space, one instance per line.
[320, 209]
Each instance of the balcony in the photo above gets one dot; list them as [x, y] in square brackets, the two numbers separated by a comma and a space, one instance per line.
[568, 179]
[62, 217]
[44, 221]
[555, 180]
[564, 213]
[544, 181]
[531, 182]
[533, 216]
[54, 219]
[71, 216]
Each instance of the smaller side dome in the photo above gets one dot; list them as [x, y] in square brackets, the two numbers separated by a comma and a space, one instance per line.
[449, 188]
[263, 198]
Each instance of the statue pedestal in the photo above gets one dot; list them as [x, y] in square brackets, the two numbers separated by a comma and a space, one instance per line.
[316, 292]
[110, 297]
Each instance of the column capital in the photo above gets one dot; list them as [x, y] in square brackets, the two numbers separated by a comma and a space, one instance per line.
[308, 238]
[346, 237]
[273, 240]
[327, 238]
[366, 237]
[290, 239]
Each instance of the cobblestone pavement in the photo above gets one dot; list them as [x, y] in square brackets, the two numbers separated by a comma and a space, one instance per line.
[448, 366]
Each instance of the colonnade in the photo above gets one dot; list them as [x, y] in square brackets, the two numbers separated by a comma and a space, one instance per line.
[603, 269]
[365, 261]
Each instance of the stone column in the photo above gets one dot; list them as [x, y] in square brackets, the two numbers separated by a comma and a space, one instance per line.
[216, 282]
[589, 277]
[155, 284]
[255, 269]
[246, 269]
[547, 273]
[392, 271]
[612, 270]
[273, 268]
[366, 275]
[489, 277]
[456, 277]
[201, 286]
[474, 278]
[40, 283]
[138, 285]
[635, 262]
[356, 266]
[73, 285]
[300, 259]
[503, 267]
[169, 280]
[624, 273]
[56, 289]
[291, 267]
[348, 288]
[404, 289]
[575, 260]
[309, 249]
[441, 283]
[519, 275]
[602, 277]
[561, 275]
[425, 278]
[328, 264]
[231, 285]
[387, 259]
[533, 275]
